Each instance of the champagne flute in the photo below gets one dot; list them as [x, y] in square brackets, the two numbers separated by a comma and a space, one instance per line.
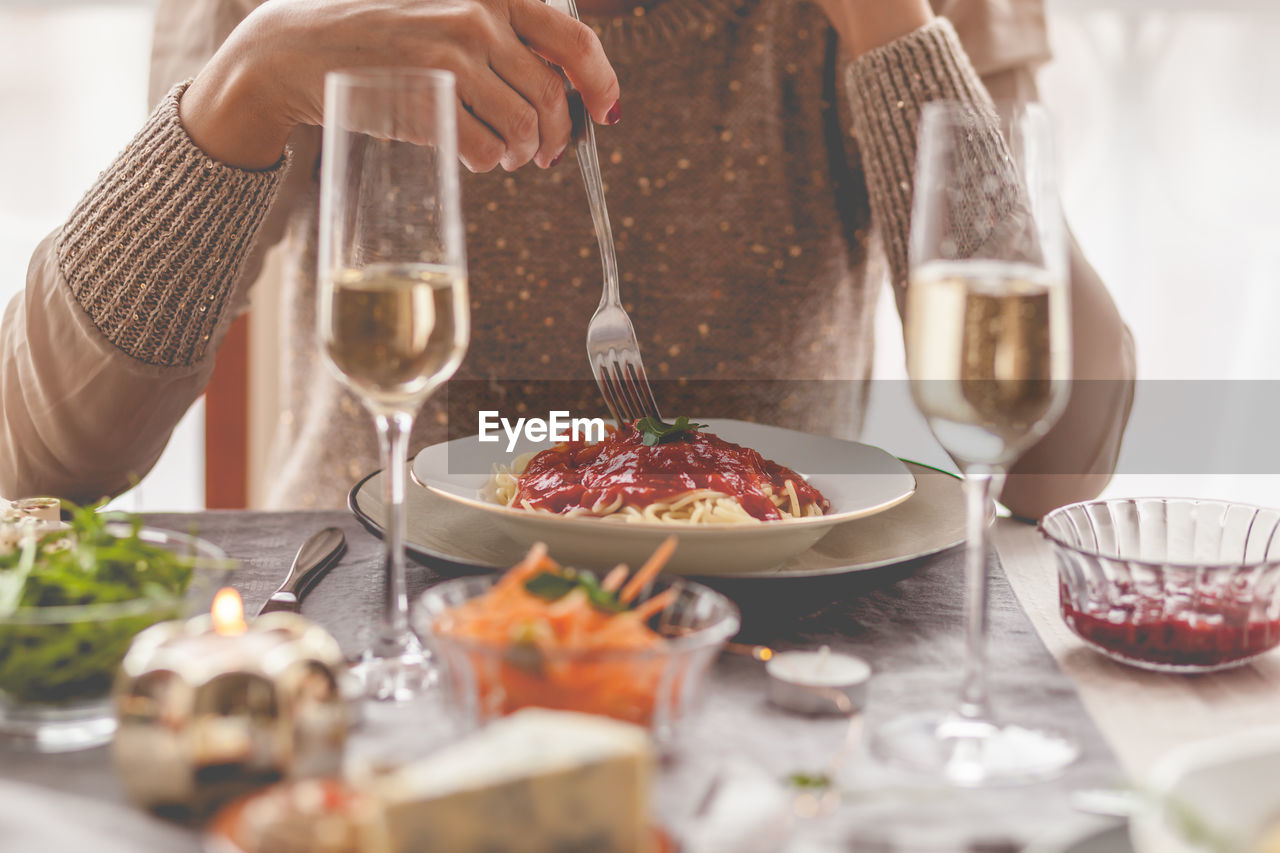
[988, 351]
[393, 310]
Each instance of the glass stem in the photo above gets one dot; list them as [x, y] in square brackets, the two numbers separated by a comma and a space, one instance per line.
[981, 485]
[393, 440]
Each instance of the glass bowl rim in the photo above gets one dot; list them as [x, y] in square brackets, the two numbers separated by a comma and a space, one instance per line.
[105, 612]
[707, 637]
[1098, 555]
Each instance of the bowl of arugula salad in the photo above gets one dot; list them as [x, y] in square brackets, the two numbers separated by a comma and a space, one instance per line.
[72, 597]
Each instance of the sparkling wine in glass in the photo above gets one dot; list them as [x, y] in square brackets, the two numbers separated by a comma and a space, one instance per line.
[989, 354]
[393, 311]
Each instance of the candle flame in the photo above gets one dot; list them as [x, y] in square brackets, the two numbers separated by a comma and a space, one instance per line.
[228, 612]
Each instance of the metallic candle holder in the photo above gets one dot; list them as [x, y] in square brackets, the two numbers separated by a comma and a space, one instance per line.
[212, 708]
[818, 682]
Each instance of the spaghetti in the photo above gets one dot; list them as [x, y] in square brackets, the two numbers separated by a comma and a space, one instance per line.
[694, 478]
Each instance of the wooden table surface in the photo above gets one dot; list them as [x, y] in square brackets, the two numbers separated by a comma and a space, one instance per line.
[1143, 715]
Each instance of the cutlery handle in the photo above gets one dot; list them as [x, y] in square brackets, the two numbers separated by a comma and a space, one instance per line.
[315, 556]
[584, 140]
[589, 165]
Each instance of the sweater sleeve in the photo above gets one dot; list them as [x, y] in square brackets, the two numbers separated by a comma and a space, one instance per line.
[187, 34]
[889, 87]
[151, 251]
[113, 337]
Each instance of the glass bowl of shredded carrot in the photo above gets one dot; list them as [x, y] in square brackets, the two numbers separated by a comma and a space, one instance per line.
[635, 647]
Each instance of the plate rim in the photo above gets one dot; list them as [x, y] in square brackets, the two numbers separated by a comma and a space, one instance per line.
[1186, 760]
[445, 563]
[816, 521]
[426, 556]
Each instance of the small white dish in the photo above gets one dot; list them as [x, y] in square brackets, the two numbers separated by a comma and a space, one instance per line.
[1222, 790]
[858, 479]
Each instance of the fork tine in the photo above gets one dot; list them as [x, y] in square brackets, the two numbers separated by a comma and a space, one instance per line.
[615, 382]
[624, 405]
[633, 388]
[606, 391]
[625, 392]
[643, 389]
[625, 409]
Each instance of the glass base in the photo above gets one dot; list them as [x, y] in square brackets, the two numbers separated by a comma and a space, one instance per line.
[973, 753]
[56, 728]
[395, 670]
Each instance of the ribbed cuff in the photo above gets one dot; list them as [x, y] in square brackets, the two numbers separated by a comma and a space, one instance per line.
[889, 87]
[152, 250]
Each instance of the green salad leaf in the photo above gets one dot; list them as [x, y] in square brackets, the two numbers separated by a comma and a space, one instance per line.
[90, 564]
[67, 657]
[13, 581]
[657, 431]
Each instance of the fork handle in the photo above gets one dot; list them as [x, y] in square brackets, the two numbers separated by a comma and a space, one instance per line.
[584, 140]
[589, 165]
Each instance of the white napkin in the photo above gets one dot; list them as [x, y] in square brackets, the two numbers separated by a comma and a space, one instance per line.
[749, 811]
[34, 819]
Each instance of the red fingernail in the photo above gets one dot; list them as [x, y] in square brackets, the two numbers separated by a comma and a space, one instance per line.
[557, 160]
[615, 113]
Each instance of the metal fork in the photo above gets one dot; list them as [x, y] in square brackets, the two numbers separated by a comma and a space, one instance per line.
[612, 348]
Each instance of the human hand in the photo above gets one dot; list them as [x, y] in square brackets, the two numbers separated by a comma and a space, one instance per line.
[864, 25]
[268, 77]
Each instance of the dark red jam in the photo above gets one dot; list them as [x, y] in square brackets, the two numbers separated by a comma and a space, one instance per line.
[1202, 632]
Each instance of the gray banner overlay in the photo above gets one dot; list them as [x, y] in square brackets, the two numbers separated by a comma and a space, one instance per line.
[1175, 427]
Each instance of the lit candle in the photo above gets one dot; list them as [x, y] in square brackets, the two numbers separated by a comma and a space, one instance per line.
[821, 682]
[213, 707]
[227, 613]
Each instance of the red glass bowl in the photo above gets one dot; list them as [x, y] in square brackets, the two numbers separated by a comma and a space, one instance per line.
[1169, 584]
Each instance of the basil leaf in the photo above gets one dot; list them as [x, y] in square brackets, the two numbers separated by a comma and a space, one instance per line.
[656, 431]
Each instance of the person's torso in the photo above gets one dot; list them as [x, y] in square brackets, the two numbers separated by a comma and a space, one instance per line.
[740, 219]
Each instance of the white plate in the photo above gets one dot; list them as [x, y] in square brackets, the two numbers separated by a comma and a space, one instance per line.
[858, 479]
[454, 538]
[1226, 786]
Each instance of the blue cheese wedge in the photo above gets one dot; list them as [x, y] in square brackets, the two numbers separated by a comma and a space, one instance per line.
[538, 781]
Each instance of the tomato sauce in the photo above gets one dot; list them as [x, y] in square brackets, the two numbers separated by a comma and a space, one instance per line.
[580, 475]
[1212, 633]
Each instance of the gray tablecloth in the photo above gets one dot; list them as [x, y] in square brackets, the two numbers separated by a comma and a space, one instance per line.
[905, 620]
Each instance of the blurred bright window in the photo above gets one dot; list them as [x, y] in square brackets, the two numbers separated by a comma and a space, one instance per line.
[73, 89]
[1169, 127]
